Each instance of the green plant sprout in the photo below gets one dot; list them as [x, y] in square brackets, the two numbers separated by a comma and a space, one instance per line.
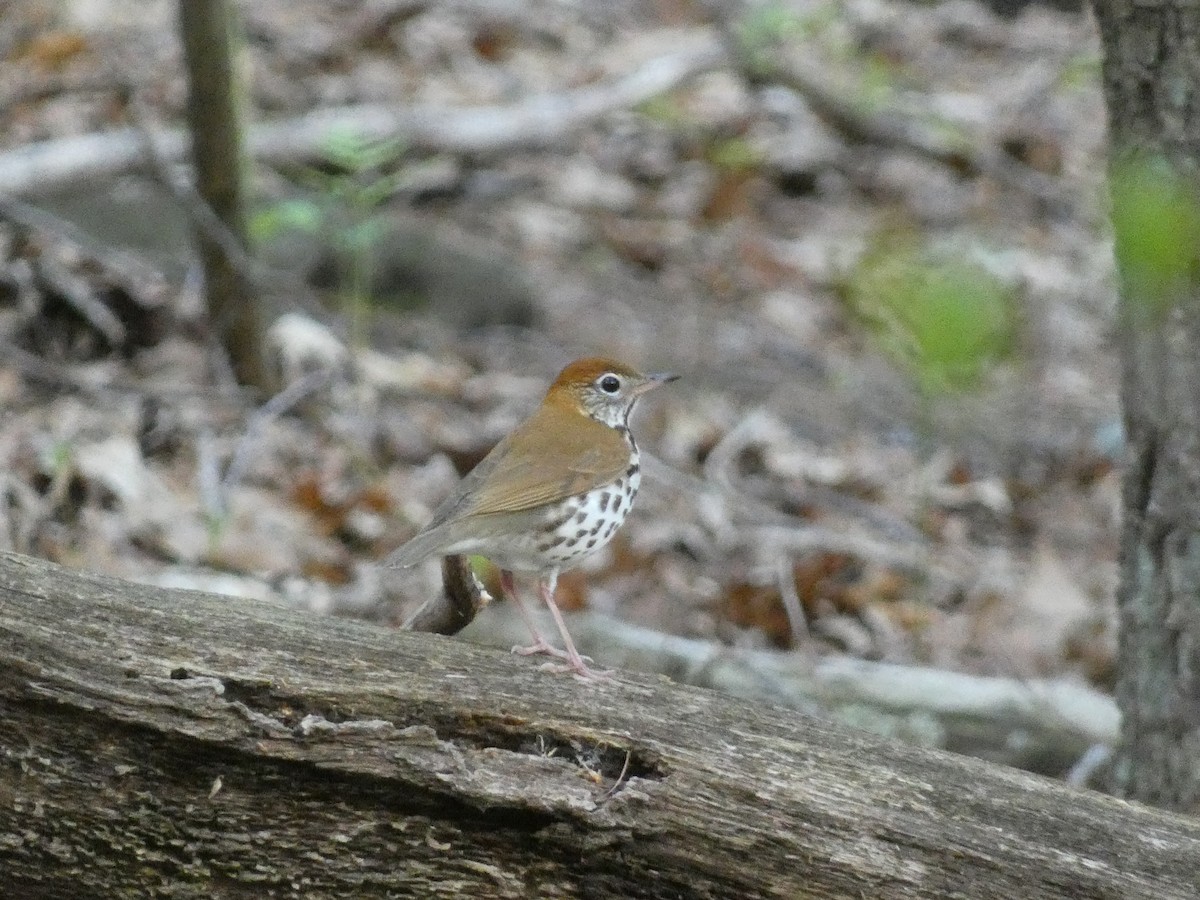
[735, 154]
[346, 203]
[665, 109]
[948, 321]
[772, 24]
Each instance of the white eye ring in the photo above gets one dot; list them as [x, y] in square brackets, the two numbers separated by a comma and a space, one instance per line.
[609, 383]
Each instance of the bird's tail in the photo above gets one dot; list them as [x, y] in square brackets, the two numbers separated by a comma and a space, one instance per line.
[420, 548]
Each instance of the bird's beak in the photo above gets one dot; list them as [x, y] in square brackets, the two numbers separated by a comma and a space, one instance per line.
[653, 380]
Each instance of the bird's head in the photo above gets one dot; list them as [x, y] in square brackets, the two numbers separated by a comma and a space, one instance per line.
[604, 389]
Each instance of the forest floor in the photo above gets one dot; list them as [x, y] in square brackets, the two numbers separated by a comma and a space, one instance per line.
[845, 466]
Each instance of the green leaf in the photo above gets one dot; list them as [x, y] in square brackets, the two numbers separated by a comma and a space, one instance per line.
[735, 155]
[949, 321]
[345, 149]
[288, 215]
[350, 151]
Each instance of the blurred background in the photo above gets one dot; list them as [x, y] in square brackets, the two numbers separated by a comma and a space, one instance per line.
[870, 235]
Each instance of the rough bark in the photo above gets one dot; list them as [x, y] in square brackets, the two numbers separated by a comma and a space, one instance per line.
[1152, 89]
[177, 744]
[217, 153]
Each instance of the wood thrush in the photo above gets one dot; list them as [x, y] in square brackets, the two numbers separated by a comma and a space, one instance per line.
[552, 492]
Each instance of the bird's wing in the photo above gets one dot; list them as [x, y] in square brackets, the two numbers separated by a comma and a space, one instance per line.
[586, 454]
[519, 484]
[552, 456]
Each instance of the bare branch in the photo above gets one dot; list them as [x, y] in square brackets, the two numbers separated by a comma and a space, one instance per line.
[537, 122]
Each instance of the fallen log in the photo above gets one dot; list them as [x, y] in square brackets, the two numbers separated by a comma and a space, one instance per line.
[170, 743]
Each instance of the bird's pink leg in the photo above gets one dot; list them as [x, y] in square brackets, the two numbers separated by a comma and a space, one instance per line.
[575, 663]
[540, 644]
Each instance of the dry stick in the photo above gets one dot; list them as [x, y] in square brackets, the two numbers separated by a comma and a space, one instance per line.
[214, 490]
[77, 292]
[1089, 765]
[891, 129]
[208, 477]
[758, 427]
[264, 277]
[59, 375]
[536, 122]
[621, 777]
[786, 577]
[272, 409]
[33, 366]
[787, 532]
[116, 264]
[194, 206]
[43, 88]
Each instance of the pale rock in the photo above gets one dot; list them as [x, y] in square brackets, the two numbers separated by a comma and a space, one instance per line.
[299, 346]
[581, 185]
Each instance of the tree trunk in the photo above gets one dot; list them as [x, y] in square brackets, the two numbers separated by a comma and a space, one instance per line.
[208, 29]
[178, 744]
[1152, 88]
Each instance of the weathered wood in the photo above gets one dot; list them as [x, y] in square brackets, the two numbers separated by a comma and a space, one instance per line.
[176, 744]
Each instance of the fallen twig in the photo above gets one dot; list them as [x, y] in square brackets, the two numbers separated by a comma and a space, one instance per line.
[202, 216]
[76, 291]
[272, 409]
[780, 532]
[536, 122]
[888, 128]
[35, 218]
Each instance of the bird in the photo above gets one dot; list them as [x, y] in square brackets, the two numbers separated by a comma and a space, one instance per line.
[550, 493]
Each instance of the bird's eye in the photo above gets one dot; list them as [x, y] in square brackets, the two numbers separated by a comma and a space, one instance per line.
[610, 384]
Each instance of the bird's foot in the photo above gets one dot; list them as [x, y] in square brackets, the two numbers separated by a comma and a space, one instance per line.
[542, 647]
[579, 669]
